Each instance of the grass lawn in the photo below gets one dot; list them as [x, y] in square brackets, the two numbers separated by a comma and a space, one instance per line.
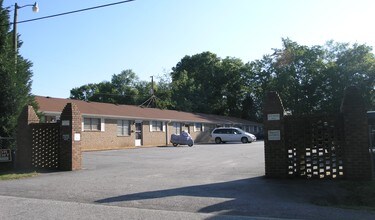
[356, 195]
[15, 175]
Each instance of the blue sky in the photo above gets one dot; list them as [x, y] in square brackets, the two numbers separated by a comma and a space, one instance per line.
[152, 36]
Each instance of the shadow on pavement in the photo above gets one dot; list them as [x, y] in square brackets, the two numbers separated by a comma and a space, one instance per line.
[257, 196]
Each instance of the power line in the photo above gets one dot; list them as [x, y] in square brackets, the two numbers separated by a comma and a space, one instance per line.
[72, 12]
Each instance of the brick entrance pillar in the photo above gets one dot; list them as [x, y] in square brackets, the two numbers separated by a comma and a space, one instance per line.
[70, 145]
[23, 158]
[274, 146]
[356, 140]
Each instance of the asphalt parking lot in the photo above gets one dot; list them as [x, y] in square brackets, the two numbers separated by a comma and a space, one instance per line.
[207, 181]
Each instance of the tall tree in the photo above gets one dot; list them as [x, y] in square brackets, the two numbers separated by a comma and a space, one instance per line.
[233, 89]
[121, 90]
[85, 92]
[15, 76]
[197, 83]
[164, 92]
[313, 79]
[208, 84]
[349, 65]
[124, 87]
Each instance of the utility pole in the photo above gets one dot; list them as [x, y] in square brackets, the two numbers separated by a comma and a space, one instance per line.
[150, 102]
[152, 86]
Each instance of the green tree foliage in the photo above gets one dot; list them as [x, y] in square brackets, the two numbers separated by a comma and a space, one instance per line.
[206, 83]
[85, 92]
[308, 79]
[313, 79]
[196, 83]
[121, 90]
[124, 88]
[163, 92]
[15, 76]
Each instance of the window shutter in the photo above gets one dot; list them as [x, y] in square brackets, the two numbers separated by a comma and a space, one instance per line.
[202, 127]
[102, 124]
[150, 126]
[82, 125]
[163, 126]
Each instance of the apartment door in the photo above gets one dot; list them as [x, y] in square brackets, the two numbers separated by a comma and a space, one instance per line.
[138, 133]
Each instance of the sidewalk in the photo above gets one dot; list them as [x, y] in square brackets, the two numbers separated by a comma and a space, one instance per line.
[13, 208]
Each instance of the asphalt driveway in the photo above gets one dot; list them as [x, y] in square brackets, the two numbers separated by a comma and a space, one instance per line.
[202, 182]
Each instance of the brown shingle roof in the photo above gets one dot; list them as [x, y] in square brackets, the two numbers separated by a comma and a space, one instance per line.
[56, 105]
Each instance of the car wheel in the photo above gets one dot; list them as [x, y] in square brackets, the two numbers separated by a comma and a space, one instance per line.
[190, 145]
[175, 145]
[218, 140]
[244, 140]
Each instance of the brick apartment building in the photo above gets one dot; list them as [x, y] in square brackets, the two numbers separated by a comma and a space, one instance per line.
[110, 126]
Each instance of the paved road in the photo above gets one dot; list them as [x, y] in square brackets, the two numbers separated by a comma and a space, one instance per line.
[203, 182]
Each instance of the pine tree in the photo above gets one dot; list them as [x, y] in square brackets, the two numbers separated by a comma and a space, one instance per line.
[15, 77]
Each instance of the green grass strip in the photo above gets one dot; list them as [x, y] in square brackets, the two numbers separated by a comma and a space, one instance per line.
[13, 176]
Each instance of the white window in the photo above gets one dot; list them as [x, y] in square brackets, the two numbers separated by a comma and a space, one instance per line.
[123, 128]
[156, 126]
[197, 127]
[91, 124]
[176, 128]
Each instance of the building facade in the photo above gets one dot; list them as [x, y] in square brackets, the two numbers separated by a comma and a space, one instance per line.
[109, 126]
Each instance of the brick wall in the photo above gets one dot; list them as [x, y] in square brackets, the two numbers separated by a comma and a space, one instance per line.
[275, 152]
[107, 139]
[357, 157]
[24, 138]
[32, 153]
[153, 138]
[70, 156]
[350, 136]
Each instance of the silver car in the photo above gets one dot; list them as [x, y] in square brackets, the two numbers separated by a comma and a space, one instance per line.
[222, 135]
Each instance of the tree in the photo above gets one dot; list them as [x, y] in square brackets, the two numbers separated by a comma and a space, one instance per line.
[121, 90]
[124, 87]
[163, 92]
[298, 72]
[234, 89]
[85, 92]
[206, 83]
[308, 79]
[196, 83]
[313, 79]
[349, 65]
[15, 76]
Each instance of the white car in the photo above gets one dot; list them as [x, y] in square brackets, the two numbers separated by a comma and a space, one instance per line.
[222, 135]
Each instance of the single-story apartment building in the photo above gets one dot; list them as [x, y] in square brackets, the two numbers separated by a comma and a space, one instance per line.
[110, 126]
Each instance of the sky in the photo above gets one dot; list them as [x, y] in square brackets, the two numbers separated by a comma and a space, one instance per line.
[152, 36]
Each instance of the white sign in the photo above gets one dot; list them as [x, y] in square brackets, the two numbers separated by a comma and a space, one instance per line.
[274, 135]
[65, 123]
[273, 117]
[77, 137]
[5, 155]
